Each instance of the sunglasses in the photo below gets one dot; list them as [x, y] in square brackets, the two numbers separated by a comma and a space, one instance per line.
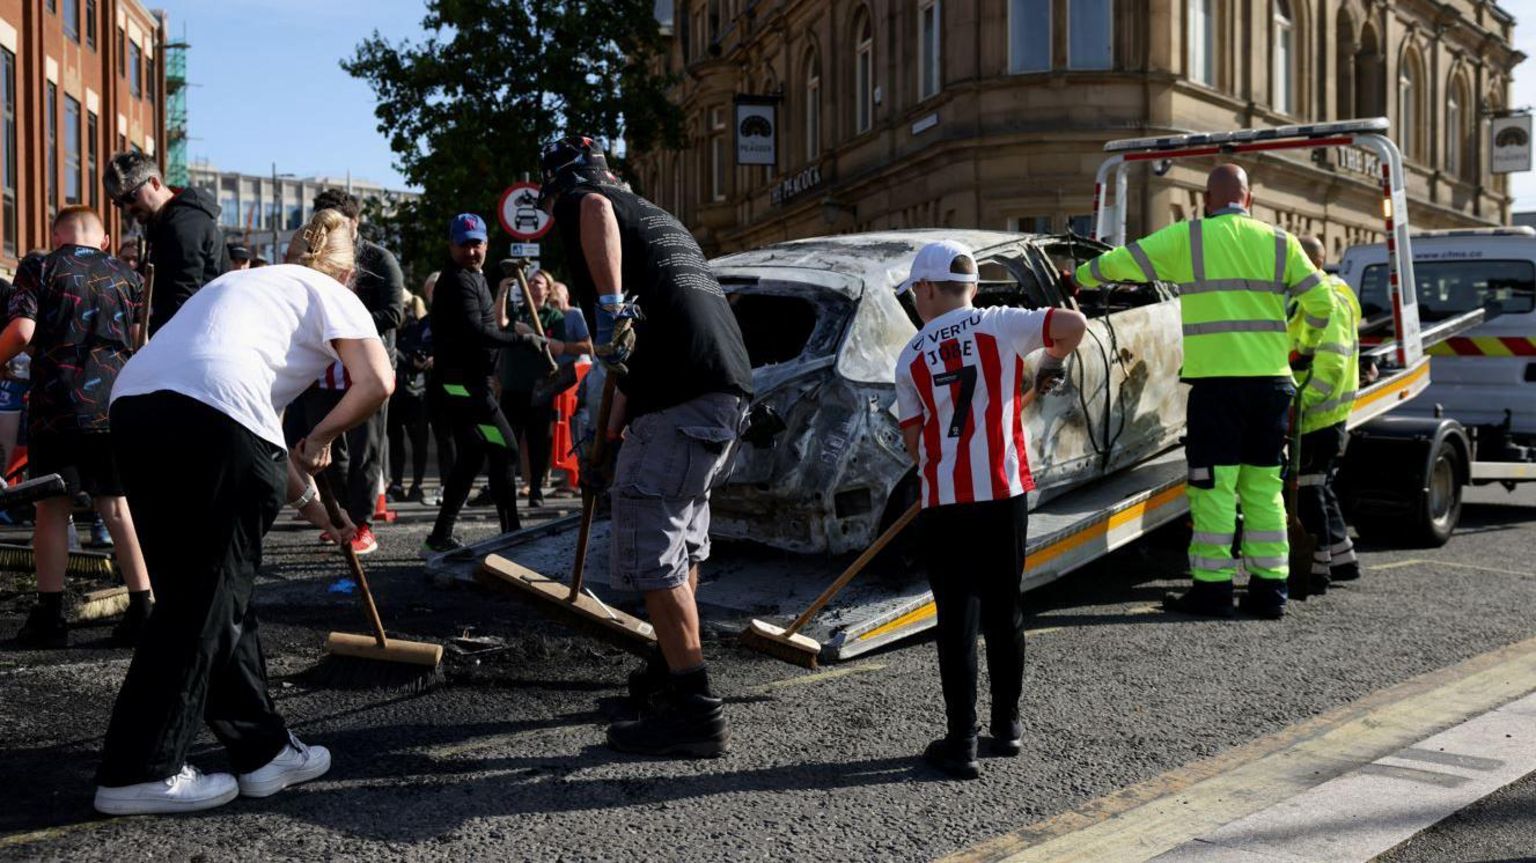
[126, 199]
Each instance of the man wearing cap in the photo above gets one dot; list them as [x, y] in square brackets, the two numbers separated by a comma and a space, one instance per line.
[959, 386]
[683, 395]
[467, 333]
[239, 257]
[180, 226]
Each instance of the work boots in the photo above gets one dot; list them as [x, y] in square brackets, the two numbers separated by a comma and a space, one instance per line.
[1345, 571]
[127, 631]
[45, 628]
[1265, 598]
[647, 680]
[684, 719]
[955, 755]
[1007, 734]
[1203, 599]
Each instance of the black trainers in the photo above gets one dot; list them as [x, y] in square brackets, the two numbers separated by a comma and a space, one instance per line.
[395, 493]
[1204, 599]
[1007, 738]
[692, 726]
[1264, 598]
[44, 630]
[1345, 572]
[127, 631]
[435, 545]
[956, 757]
[416, 495]
[483, 498]
[1317, 585]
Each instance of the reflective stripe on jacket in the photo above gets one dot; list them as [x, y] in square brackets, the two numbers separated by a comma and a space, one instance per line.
[1234, 275]
[1329, 394]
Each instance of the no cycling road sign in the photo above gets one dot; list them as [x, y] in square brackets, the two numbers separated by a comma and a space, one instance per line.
[520, 214]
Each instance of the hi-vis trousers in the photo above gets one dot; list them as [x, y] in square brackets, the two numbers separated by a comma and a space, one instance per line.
[1235, 447]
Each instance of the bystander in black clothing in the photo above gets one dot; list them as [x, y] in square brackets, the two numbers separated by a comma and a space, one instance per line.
[407, 407]
[188, 251]
[465, 340]
[521, 373]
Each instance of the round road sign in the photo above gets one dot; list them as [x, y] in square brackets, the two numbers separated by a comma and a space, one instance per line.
[520, 214]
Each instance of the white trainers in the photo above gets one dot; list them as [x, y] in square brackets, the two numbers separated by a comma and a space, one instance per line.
[188, 791]
[296, 763]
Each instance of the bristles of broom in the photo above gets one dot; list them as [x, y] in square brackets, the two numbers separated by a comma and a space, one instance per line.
[21, 559]
[796, 649]
[334, 671]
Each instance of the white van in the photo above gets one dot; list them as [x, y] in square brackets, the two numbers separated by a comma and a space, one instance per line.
[1486, 378]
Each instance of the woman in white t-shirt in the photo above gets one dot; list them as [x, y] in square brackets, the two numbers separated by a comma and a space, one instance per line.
[197, 432]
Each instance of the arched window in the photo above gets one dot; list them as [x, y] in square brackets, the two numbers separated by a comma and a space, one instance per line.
[1283, 85]
[1344, 67]
[1410, 105]
[1029, 35]
[1202, 42]
[863, 71]
[930, 39]
[812, 104]
[1460, 156]
[1370, 66]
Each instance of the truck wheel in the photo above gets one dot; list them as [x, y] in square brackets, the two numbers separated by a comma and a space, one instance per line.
[1439, 507]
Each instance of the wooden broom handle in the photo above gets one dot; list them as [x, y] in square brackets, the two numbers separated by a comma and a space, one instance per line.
[856, 567]
[333, 513]
[599, 451]
[533, 315]
[149, 294]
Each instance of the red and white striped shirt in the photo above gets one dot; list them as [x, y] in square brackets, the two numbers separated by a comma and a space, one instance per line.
[335, 377]
[959, 380]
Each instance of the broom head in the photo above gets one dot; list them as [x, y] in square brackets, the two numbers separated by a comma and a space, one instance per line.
[793, 648]
[358, 662]
[553, 597]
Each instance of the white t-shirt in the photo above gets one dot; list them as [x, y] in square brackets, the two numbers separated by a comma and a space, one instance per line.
[959, 379]
[249, 342]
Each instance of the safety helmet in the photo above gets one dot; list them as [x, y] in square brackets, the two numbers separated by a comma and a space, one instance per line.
[572, 161]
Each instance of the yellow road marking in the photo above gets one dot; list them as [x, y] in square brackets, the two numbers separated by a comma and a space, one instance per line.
[1377, 567]
[1145, 820]
[1472, 566]
[820, 676]
[17, 840]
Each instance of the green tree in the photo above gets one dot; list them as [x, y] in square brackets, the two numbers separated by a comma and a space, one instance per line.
[467, 108]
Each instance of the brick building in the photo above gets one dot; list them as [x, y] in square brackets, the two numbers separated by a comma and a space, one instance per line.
[993, 113]
[79, 80]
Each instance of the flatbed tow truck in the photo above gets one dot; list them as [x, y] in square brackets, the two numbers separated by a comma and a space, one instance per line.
[1083, 525]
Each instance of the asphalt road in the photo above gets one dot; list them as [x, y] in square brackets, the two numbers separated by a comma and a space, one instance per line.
[506, 760]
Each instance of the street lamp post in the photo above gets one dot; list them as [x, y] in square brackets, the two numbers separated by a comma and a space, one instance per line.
[277, 205]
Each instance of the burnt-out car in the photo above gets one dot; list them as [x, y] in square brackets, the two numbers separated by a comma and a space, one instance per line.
[825, 468]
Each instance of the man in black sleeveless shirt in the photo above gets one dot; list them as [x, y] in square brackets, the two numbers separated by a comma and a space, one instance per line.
[683, 400]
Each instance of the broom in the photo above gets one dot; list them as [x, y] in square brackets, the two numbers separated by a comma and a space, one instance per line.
[371, 661]
[21, 559]
[788, 644]
[573, 605]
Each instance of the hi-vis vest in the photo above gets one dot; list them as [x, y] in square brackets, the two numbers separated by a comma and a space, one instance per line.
[1329, 393]
[1234, 275]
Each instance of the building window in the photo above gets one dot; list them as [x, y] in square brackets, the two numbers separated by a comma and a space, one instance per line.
[1453, 131]
[812, 105]
[863, 72]
[149, 79]
[135, 70]
[1344, 67]
[71, 19]
[90, 24]
[1090, 30]
[928, 43]
[1370, 75]
[92, 179]
[1409, 114]
[122, 53]
[51, 108]
[72, 182]
[1461, 151]
[1285, 59]
[1202, 42]
[1029, 224]
[1029, 35]
[714, 20]
[717, 154]
[10, 179]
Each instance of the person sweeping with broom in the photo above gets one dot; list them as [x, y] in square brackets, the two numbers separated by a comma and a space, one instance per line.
[199, 443]
[961, 412]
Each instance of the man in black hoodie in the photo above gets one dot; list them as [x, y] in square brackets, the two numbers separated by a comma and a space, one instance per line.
[181, 227]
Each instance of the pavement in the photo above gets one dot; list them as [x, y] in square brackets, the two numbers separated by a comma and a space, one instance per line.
[1129, 714]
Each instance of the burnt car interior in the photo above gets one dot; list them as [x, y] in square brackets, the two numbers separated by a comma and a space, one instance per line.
[781, 326]
[1067, 252]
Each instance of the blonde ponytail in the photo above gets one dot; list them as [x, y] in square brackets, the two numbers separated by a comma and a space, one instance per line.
[325, 244]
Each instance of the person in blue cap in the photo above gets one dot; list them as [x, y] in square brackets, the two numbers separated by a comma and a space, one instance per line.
[467, 332]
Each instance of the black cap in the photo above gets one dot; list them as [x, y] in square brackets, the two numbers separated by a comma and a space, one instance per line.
[239, 253]
[572, 161]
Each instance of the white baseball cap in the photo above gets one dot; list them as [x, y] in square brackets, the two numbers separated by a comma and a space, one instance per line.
[933, 263]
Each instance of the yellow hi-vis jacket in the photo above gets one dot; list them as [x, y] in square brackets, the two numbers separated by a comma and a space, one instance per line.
[1234, 275]
[1329, 393]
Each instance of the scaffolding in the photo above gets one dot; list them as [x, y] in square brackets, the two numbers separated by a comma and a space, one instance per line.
[176, 113]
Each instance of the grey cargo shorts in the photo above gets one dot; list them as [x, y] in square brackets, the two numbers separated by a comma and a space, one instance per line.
[669, 462]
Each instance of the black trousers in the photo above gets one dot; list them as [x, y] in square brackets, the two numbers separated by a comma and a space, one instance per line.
[357, 457]
[974, 553]
[1317, 503]
[480, 434]
[533, 423]
[203, 490]
[407, 421]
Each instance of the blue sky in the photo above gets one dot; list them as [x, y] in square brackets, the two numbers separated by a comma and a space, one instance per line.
[266, 85]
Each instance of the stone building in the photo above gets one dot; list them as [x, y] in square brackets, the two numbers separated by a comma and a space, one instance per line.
[993, 113]
[79, 80]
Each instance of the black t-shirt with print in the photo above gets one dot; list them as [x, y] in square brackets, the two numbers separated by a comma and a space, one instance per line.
[689, 344]
[83, 301]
